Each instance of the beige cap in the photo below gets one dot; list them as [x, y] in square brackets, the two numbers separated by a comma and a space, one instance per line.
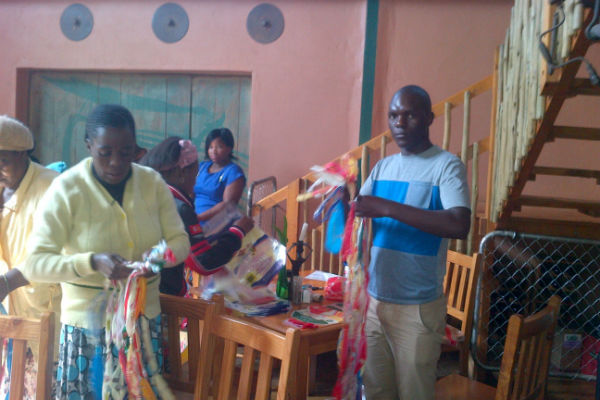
[14, 136]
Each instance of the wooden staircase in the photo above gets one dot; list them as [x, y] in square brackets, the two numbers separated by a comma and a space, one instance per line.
[508, 173]
[558, 87]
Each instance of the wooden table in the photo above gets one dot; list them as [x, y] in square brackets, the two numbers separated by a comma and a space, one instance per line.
[312, 342]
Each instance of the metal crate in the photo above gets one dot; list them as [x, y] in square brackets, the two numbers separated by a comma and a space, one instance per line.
[520, 272]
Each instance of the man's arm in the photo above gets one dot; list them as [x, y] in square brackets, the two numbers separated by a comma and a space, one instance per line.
[453, 223]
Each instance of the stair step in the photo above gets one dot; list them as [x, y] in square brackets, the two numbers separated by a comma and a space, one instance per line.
[571, 172]
[574, 132]
[585, 206]
[580, 86]
[552, 227]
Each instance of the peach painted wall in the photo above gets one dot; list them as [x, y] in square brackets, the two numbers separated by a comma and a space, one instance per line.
[306, 86]
[445, 46]
[441, 45]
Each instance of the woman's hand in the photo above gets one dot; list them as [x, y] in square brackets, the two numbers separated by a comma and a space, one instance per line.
[202, 217]
[245, 223]
[10, 281]
[4, 289]
[112, 266]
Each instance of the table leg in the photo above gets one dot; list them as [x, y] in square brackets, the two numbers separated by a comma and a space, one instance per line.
[312, 374]
[300, 384]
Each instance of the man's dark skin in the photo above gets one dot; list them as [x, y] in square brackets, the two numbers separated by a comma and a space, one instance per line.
[409, 118]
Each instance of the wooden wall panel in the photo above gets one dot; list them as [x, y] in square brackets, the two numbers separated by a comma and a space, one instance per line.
[243, 137]
[145, 96]
[178, 104]
[109, 88]
[162, 105]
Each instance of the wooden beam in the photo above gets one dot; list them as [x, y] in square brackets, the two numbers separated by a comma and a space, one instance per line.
[557, 202]
[574, 132]
[570, 172]
[544, 128]
[457, 99]
[270, 201]
[377, 143]
[575, 229]
[292, 211]
[580, 86]
[492, 139]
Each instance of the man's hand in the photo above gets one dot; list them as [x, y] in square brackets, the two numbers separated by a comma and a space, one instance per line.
[112, 266]
[371, 207]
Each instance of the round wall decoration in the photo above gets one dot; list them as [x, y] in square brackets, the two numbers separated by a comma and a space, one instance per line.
[170, 22]
[76, 22]
[265, 23]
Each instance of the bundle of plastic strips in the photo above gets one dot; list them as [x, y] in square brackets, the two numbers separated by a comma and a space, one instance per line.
[352, 346]
[128, 330]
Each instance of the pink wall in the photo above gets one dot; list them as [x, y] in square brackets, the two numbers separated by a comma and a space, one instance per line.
[306, 86]
[442, 45]
[445, 46]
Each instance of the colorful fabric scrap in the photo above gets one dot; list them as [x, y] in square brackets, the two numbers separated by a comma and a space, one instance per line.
[352, 347]
[129, 332]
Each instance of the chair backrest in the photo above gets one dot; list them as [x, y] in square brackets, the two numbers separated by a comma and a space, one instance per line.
[257, 342]
[527, 349]
[459, 287]
[181, 369]
[256, 191]
[32, 332]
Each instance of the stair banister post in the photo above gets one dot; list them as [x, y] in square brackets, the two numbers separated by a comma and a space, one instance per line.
[292, 213]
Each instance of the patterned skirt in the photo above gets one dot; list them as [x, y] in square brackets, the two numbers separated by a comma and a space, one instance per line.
[81, 361]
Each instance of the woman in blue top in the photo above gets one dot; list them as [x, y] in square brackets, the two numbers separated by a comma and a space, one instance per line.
[220, 181]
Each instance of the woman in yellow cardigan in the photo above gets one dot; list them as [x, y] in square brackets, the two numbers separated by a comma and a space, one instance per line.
[22, 185]
[95, 217]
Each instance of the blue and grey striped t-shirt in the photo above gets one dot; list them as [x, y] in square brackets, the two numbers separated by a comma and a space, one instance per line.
[408, 265]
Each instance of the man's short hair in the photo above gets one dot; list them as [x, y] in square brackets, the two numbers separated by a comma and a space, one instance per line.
[419, 92]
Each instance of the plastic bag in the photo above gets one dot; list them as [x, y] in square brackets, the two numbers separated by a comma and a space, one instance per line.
[243, 281]
[335, 228]
[334, 288]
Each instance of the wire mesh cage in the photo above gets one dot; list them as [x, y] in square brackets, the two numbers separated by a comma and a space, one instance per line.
[266, 220]
[519, 275]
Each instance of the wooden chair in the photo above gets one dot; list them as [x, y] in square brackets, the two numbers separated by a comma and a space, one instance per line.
[255, 341]
[29, 330]
[181, 368]
[459, 287]
[524, 368]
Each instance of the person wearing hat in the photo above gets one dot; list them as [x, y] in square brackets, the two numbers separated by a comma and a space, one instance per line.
[22, 185]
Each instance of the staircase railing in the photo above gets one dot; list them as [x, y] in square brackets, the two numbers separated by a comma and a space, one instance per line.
[368, 154]
[530, 94]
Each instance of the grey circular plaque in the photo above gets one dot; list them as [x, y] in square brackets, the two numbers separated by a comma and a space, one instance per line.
[170, 22]
[265, 23]
[76, 22]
